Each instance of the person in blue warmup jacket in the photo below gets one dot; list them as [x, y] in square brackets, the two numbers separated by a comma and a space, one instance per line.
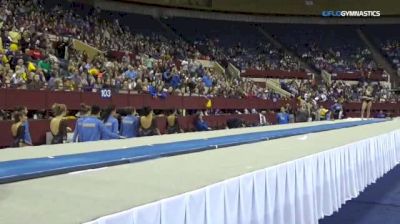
[200, 124]
[27, 134]
[92, 129]
[381, 114]
[130, 124]
[111, 123]
[282, 117]
[83, 113]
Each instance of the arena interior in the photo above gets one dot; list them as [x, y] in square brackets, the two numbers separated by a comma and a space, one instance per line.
[199, 112]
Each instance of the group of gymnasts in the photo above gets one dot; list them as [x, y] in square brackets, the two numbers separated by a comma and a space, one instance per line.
[93, 124]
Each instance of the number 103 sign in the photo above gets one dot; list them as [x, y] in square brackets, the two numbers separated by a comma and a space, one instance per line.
[105, 93]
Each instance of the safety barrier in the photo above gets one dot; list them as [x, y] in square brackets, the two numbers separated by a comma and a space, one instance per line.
[44, 99]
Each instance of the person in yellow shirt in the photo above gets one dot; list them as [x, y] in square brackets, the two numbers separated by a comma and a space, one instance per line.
[94, 71]
[14, 37]
[3, 57]
[31, 67]
[322, 112]
[208, 103]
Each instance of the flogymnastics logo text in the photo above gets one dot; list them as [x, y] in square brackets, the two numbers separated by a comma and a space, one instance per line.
[338, 13]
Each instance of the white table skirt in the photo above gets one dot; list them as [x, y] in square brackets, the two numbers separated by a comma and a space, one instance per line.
[299, 192]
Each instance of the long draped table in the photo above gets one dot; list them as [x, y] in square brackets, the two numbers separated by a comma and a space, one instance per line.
[300, 191]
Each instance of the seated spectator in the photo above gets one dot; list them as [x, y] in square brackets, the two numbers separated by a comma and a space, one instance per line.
[381, 114]
[58, 125]
[35, 84]
[282, 117]
[302, 114]
[263, 118]
[148, 123]
[289, 110]
[18, 130]
[201, 124]
[337, 110]
[235, 123]
[130, 124]
[3, 115]
[130, 73]
[322, 113]
[172, 123]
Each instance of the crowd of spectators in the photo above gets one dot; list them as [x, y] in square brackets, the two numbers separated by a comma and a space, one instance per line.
[36, 53]
[31, 17]
[336, 49]
[260, 56]
[338, 60]
[391, 49]
[348, 91]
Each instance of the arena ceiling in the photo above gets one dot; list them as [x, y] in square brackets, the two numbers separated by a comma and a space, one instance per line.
[281, 7]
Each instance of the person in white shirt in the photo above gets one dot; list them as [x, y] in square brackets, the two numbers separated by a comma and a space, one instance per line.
[263, 118]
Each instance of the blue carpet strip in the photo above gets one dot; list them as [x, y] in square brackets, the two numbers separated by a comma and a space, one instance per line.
[18, 170]
[378, 203]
